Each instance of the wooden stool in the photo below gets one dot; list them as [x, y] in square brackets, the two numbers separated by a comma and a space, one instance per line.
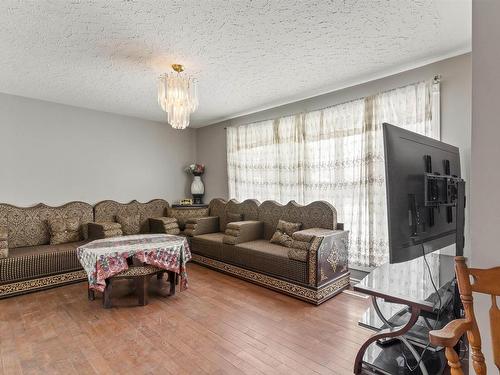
[141, 274]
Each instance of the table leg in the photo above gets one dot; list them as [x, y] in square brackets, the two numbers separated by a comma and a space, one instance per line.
[107, 294]
[403, 339]
[396, 331]
[172, 279]
[142, 290]
[91, 294]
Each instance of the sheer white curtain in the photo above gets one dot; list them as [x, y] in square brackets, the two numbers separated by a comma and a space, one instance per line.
[345, 166]
[335, 154]
[252, 162]
[265, 160]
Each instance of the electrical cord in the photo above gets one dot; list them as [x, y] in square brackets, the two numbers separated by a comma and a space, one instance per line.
[437, 316]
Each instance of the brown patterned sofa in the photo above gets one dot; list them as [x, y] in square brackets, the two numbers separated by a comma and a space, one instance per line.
[115, 219]
[28, 260]
[235, 239]
[206, 234]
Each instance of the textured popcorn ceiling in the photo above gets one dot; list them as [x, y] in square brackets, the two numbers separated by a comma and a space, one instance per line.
[247, 55]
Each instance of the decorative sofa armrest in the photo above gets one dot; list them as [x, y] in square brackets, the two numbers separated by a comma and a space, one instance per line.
[243, 231]
[4, 244]
[104, 230]
[202, 225]
[166, 225]
[327, 253]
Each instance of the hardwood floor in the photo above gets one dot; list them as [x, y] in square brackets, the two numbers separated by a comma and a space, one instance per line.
[219, 325]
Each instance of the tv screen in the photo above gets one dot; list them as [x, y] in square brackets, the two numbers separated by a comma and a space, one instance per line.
[411, 160]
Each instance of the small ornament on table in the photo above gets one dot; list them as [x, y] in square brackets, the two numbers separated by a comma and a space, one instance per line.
[197, 187]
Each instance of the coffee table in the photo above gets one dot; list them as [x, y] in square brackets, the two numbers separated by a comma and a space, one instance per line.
[109, 258]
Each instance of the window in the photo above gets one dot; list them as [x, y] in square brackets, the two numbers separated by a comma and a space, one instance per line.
[334, 154]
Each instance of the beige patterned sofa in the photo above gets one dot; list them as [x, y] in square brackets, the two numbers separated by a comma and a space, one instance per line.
[235, 239]
[115, 219]
[28, 260]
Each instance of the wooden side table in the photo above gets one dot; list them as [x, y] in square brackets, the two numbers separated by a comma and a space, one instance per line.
[184, 212]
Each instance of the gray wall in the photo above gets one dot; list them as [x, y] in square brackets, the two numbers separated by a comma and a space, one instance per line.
[485, 176]
[455, 118]
[55, 153]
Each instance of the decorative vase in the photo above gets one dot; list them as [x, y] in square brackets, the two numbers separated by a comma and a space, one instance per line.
[197, 189]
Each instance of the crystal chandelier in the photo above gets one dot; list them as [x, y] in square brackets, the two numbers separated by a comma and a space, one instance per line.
[178, 96]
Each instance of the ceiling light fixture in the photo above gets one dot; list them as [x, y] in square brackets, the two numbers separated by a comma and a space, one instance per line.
[178, 96]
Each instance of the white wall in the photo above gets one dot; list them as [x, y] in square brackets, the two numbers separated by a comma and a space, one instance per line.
[55, 153]
[485, 156]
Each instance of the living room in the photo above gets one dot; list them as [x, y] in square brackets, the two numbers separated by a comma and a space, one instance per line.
[227, 187]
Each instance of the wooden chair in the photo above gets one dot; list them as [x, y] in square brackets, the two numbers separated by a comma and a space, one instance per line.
[486, 281]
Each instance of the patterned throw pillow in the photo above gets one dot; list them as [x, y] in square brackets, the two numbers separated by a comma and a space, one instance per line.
[231, 217]
[3, 233]
[130, 224]
[64, 230]
[288, 227]
[284, 231]
[4, 245]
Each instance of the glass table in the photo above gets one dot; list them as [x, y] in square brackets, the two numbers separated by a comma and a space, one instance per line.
[405, 307]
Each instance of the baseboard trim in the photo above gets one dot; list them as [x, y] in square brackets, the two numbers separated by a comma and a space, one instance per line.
[308, 294]
[41, 283]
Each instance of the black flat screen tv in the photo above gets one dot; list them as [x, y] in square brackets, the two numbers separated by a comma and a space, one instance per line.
[420, 219]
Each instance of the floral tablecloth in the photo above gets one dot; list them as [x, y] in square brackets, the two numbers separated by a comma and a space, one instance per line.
[107, 257]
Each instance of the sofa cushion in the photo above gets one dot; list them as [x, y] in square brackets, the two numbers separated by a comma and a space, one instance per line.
[297, 254]
[249, 209]
[302, 245]
[243, 231]
[167, 220]
[288, 227]
[307, 235]
[211, 237]
[38, 261]
[131, 224]
[3, 233]
[284, 232]
[202, 225]
[266, 257]
[4, 248]
[232, 232]
[264, 246]
[4, 245]
[64, 230]
[171, 226]
[110, 225]
[42, 249]
[209, 245]
[173, 231]
[112, 233]
[232, 217]
[281, 238]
